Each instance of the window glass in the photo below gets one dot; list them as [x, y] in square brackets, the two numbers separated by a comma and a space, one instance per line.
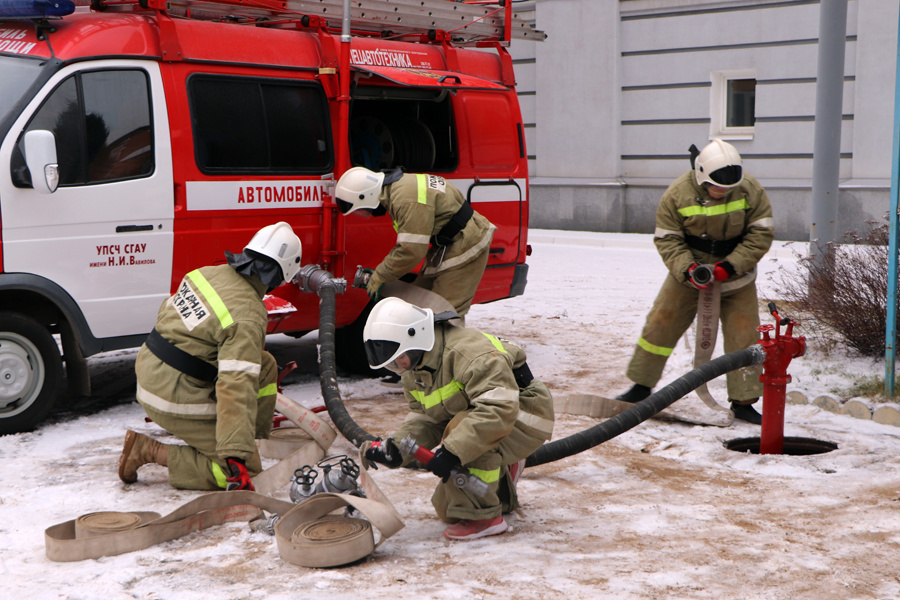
[732, 104]
[101, 123]
[741, 102]
[16, 74]
[118, 135]
[259, 126]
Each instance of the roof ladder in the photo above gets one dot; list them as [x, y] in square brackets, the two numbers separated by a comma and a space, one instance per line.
[465, 23]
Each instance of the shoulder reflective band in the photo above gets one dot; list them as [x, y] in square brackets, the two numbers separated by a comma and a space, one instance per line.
[495, 342]
[421, 189]
[204, 287]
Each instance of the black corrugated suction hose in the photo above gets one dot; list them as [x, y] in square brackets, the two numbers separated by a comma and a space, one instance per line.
[328, 372]
[646, 408]
[550, 452]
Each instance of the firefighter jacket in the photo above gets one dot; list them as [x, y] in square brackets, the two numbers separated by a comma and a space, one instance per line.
[692, 227]
[420, 205]
[216, 315]
[468, 370]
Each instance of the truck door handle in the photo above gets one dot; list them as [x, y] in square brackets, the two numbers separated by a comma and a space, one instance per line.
[129, 228]
[446, 78]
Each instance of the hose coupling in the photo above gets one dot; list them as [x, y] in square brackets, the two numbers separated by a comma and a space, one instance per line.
[312, 278]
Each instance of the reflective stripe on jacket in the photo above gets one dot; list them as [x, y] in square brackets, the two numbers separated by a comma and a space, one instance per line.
[469, 370]
[420, 205]
[687, 209]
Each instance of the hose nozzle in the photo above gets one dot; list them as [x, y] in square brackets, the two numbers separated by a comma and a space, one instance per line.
[702, 274]
[361, 279]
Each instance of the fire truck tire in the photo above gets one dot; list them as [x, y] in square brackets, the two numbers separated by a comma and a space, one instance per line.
[30, 372]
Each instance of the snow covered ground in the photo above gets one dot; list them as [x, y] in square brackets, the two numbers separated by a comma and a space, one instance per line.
[664, 511]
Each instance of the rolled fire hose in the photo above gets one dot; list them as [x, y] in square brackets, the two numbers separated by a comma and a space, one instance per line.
[646, 408]
[305, 533]
[708, 304]
[301, 452]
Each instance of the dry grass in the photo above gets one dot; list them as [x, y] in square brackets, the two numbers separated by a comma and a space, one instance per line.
[841, 295]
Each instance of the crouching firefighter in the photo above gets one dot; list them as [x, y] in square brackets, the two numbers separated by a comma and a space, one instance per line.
[202, 374]
[433, 221]
[470, 395]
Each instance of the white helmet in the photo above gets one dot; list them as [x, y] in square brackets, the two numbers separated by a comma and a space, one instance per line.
[719, 164]
[281, 244]
[395, 326]
[358, 188]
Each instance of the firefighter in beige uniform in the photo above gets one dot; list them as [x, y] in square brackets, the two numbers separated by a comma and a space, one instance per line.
[203, 375]
[713, 215]
[433, 221]
[468, 392]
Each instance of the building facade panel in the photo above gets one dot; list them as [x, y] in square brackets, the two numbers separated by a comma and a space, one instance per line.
[623, 87]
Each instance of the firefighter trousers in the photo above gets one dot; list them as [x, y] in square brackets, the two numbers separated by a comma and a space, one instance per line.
[453, 504]
[673, 312]
[197, 466]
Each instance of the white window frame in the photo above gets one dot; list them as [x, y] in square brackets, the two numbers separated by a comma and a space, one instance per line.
[718, 103]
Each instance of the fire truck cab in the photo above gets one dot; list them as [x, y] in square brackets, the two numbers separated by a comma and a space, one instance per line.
[140, 140]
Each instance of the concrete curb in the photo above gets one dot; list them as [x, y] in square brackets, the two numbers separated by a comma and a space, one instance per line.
[886, 414]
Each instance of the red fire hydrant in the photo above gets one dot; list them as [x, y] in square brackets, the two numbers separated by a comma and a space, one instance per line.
[779, 353]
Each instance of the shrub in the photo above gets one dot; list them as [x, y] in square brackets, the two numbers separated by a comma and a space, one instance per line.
[841, 295]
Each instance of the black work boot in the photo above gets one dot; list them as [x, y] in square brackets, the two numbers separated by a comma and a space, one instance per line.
[746, 412]
[637, 393]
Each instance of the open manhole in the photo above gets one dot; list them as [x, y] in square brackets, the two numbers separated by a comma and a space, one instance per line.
[794, 446]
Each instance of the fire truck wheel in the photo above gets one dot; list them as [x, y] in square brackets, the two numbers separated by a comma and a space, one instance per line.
[30, 372]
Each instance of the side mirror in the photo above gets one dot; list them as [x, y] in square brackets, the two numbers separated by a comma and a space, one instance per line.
[40, 156]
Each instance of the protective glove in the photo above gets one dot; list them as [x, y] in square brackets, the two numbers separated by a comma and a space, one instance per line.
[723, 270]
[443, 462]
[696, 274]
[374, 286]
[384, 452]
[240, 478]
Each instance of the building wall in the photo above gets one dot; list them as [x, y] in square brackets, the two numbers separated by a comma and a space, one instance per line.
[621, 88]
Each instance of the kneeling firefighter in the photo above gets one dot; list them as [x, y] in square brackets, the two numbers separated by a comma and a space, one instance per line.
[469, 393]
[203, 375]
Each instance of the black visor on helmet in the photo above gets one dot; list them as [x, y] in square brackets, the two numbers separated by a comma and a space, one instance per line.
[343, 205]
[379, 351]
[727, 176]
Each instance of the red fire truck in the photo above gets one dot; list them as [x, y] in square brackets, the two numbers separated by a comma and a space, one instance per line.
[141, 139]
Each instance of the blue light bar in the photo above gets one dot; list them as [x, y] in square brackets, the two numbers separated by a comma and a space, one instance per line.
[36, 9]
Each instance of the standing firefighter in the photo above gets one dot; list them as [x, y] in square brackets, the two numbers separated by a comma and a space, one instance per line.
[202, 374]
[433, 221]
[472, 395]
[713, 215]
